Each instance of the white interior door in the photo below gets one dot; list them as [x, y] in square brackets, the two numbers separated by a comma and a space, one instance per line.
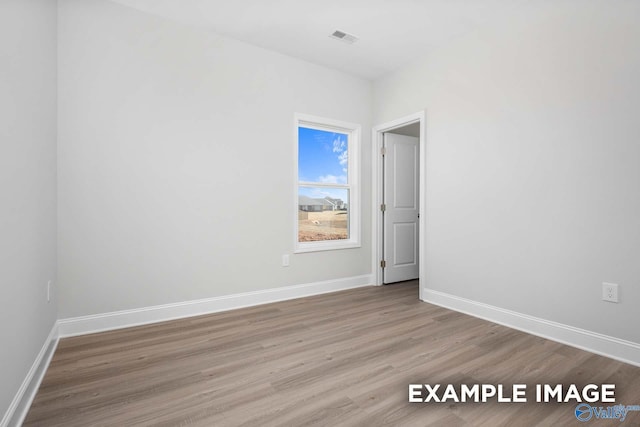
[401, 199]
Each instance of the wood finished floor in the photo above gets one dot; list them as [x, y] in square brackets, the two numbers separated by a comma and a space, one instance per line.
[337, 359]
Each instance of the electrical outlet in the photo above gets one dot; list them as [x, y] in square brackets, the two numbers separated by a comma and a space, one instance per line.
[610, 292]
[49, 291]
[285, 260]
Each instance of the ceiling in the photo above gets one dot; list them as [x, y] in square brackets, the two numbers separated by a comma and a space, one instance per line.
[391, 33]
[409, 130]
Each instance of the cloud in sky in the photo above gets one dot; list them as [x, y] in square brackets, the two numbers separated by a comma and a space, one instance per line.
[343, 158]
[340, 147]
[332, 179]
[321, 192]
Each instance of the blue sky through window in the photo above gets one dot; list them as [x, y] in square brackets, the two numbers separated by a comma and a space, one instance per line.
[322, 156]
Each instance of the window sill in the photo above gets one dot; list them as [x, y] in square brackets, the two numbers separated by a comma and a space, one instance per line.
[325, 246]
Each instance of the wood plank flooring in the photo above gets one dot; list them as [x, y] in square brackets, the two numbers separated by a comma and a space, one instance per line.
[337, 359]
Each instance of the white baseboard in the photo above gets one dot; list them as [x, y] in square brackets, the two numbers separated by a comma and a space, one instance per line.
[615, 348]
[21, 403]
[141, 316]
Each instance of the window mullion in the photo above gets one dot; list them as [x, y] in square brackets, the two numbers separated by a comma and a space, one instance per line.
[324, 185]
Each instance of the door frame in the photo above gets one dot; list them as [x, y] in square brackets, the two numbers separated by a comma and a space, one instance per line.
[377, 186]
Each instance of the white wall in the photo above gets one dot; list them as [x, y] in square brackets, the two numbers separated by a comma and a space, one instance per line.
[176, 162]
[533, 173]
[27, 186]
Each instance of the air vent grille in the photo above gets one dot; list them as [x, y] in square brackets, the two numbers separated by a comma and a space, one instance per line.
[345, 37]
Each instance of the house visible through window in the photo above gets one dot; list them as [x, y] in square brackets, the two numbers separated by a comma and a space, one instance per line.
[327, 202]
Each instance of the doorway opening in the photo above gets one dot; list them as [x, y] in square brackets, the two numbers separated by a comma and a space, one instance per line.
[399, 171]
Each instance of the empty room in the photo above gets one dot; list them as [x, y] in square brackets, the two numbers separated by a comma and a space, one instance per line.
[336, 213]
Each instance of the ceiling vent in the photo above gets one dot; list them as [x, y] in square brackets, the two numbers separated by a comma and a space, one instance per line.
[345, 37]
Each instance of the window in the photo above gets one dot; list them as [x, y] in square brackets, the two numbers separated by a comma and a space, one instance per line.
[327, 195]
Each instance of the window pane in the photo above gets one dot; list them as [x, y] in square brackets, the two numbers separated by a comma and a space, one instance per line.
[323, 214]
[322, 156]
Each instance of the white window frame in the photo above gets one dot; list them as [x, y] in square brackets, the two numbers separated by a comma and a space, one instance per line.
[353, 132]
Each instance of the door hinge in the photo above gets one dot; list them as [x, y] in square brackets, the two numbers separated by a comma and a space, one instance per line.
[383, 264]
[383, 151]
[383, 207]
